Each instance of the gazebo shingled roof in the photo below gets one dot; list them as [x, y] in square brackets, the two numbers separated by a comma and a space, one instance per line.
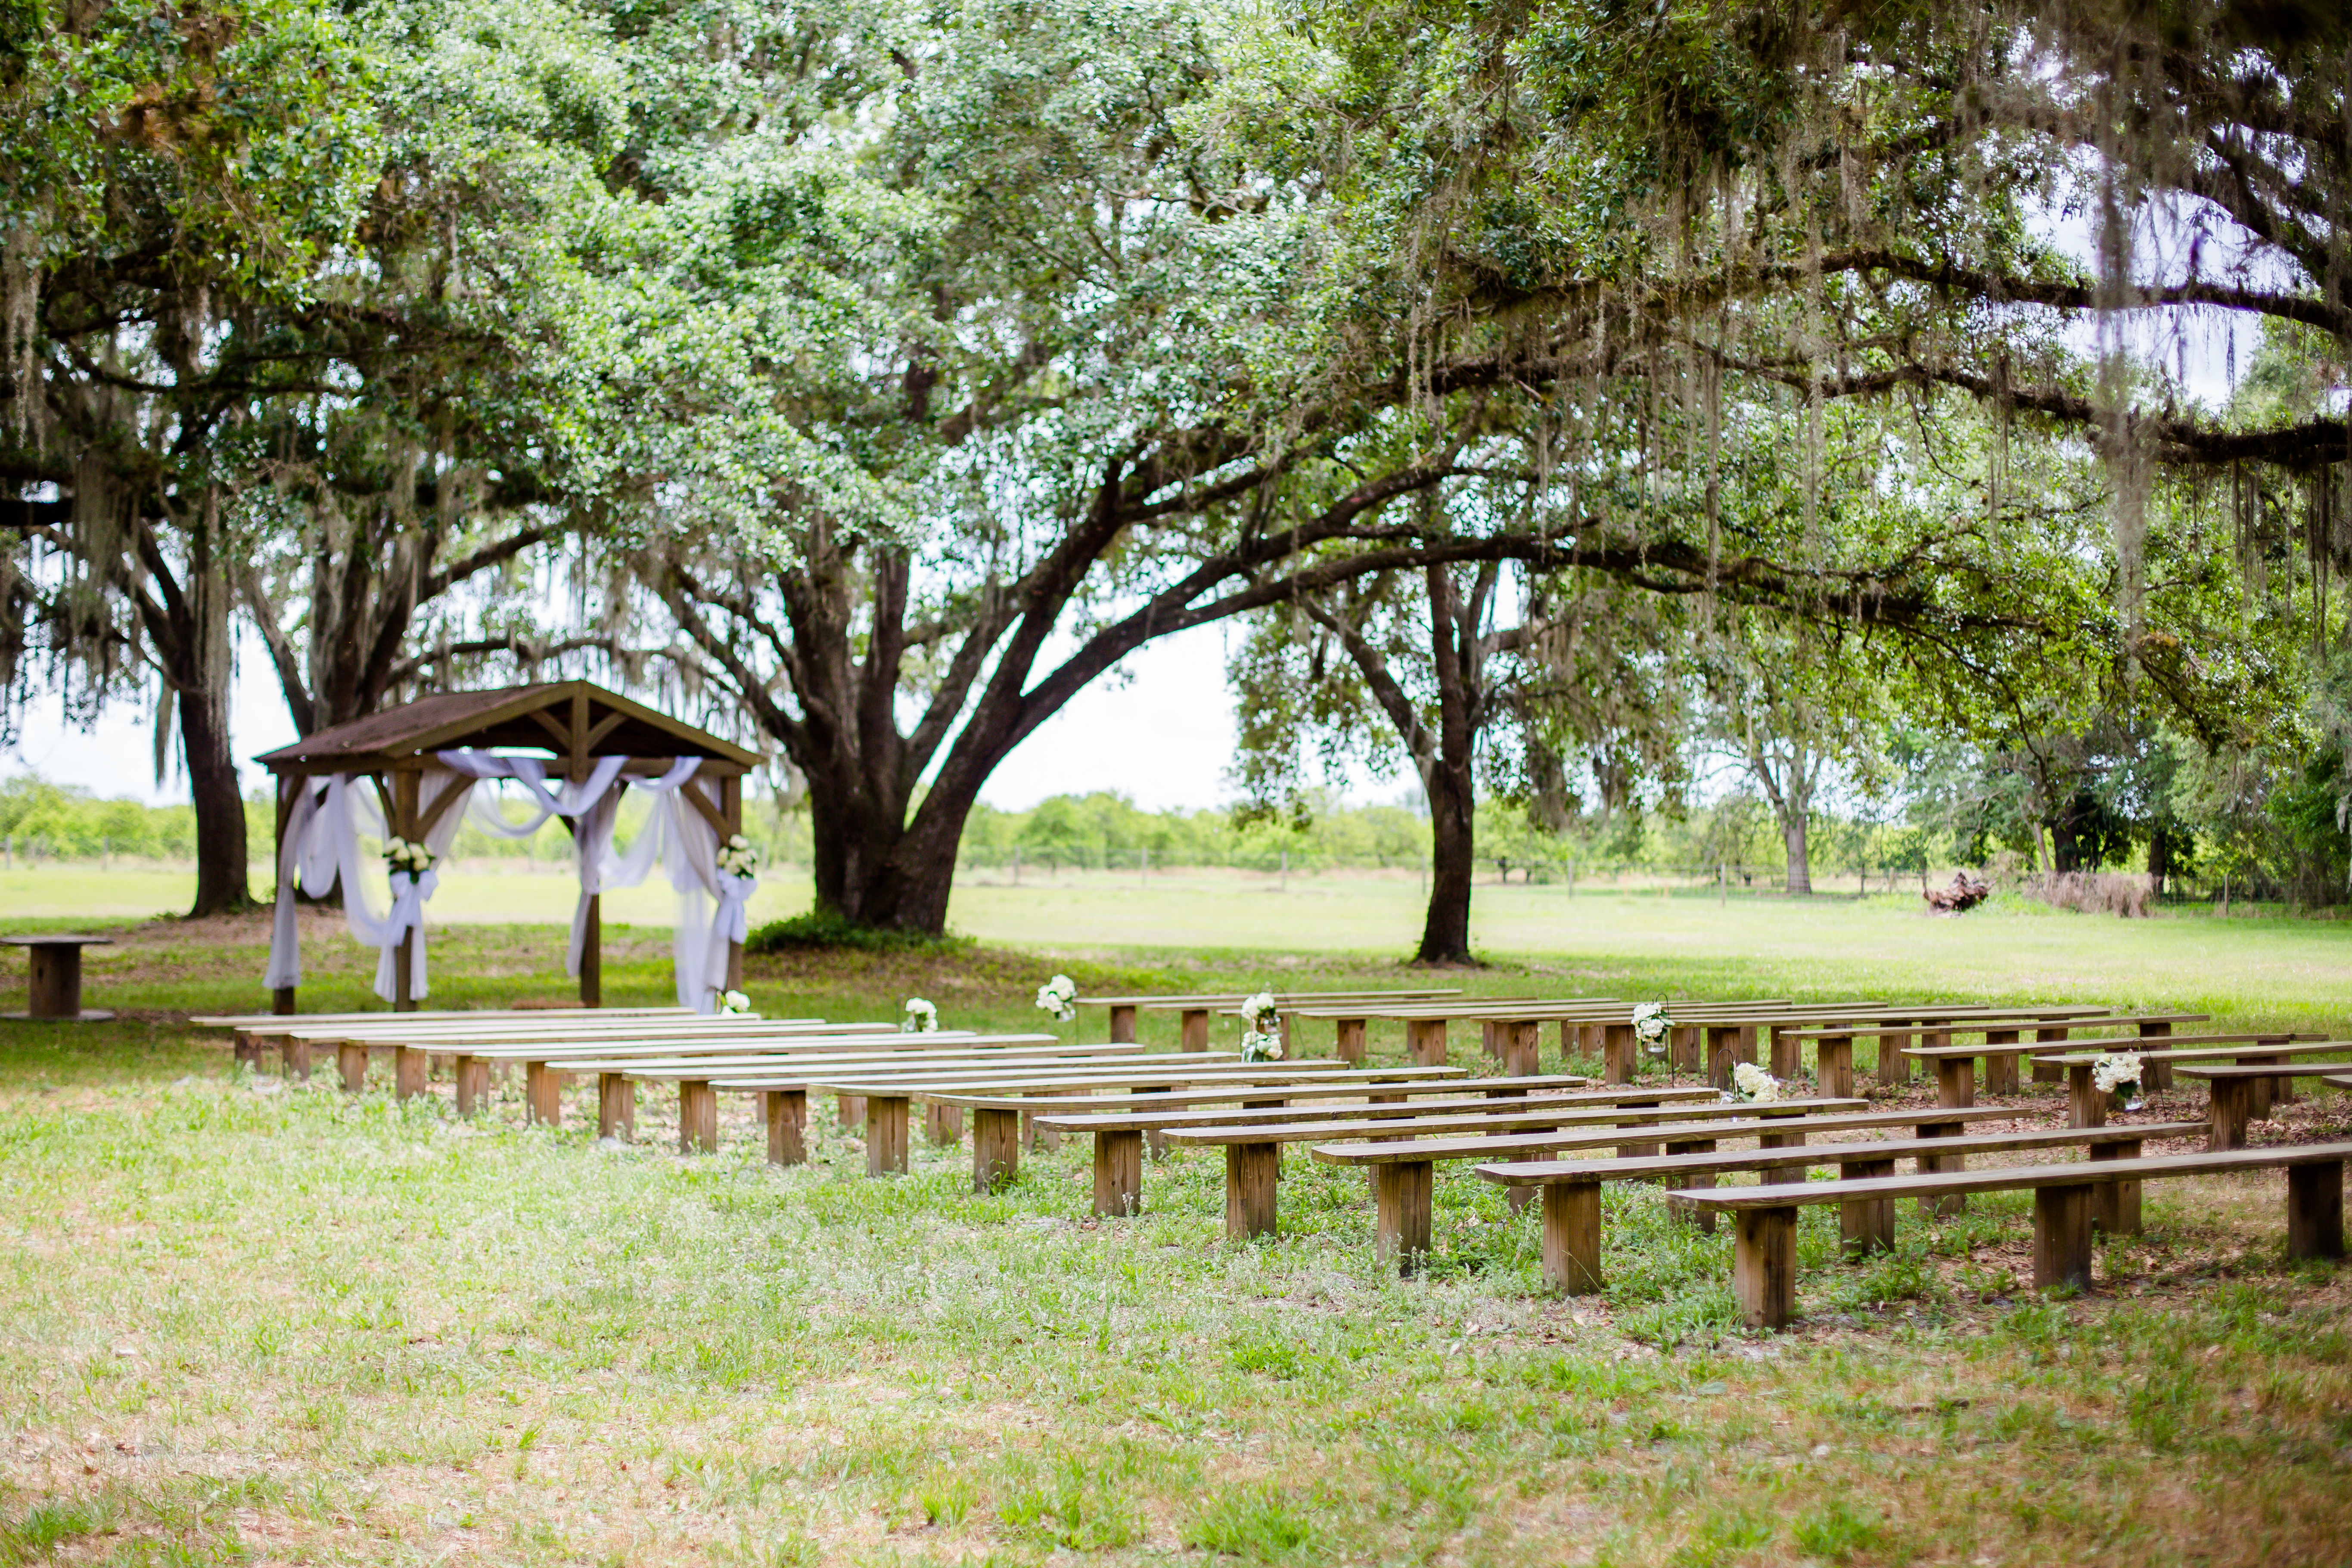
[575, 718]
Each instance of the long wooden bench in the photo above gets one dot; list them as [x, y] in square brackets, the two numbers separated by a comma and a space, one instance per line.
[1253, 1150]
[2086, 1106]
[1833, 1043]
[1121, 1124]
[1764, 1262]
[1571, 1188]
[2231, 1090]
[1193, 1011]
[546, 1067]
[411, 1052]
[2001, 1050]
[697, 1078]
[887, 1100]
[1404, 1172]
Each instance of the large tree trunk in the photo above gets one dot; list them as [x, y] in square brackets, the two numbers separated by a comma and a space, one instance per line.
[1792, 837]
[1453, 804]
[221, 886]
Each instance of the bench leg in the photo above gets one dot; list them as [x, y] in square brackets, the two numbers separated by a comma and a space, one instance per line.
[1523, 1049]
[2062, 1238]
[786, 1111]
[616, 1106]
[1571, 1238]
[1868, 1224]
[1122, 1026]
[2049, 1072]
[1893, 1067]
[351, 1062]
[1155, 1140]
[473, 1084]
[1119, 1173]
[698, 1118]
[1196, 1029]
[1403, 1194]
[2260, 1092]
[995, 1149]
[1689, 1181]
[1785, 1174]
[1787, 1057]
[1944, 1205]
[408, 1065]
[943, 1125]
[2001, 1071]
[1687, 1051]
[2227, 1126]
[2314, 1210]
[1764, 1266]
[1350, 1045]
[294, 1058]
[542, 1094]
[2085, 1106]
[1044, 1140]
[1833, 1065]
[886, 1135]
[1425, 1040]
[1617, 1049]
[2116, 1209]
[852, 1112]
[1250, 1172]
[1956, 1081]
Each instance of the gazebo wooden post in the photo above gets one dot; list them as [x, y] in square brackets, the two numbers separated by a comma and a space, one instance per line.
[405, 782]
[281, 1000]
[730, 806]
[592, 933]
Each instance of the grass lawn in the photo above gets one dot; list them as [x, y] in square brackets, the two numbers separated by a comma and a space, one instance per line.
[247, 1322]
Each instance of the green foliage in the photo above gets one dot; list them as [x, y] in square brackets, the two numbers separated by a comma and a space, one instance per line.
[821, 931]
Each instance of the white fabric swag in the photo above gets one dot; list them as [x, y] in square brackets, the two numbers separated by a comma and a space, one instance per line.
[329, 816]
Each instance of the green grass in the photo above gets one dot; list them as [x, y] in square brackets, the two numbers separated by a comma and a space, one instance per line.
[243, 1323]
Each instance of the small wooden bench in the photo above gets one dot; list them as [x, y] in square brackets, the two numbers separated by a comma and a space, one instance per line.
[1254, 1152]
[1571, 1188]
[2231, 1088]
[2002, 1049]
[1764, 1263]
[2086, 1106]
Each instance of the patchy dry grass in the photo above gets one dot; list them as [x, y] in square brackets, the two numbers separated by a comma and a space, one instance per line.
[248, 1323]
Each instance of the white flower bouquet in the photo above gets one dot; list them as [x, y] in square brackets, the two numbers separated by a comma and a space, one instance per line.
[1059, 996]
[1752, 1084]
[921, 1018]
[407, 855]
[738, 857]
[1262, 1045]
[734, 1002]
[1260, 1014]
[1651, 1028]
[2118, 1072]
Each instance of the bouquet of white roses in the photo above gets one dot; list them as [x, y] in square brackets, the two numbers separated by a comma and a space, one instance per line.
[407, 855]
[921, 1018]
[1059, 996]
[734, 1002]
[2118, 1072]
[1261, 1028]
[1752, 1084]
[737, 857]
[1651, 1028]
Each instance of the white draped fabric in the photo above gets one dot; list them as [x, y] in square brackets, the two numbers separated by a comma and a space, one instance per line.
[331, 816]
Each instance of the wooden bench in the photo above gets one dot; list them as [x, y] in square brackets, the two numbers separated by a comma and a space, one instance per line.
[1764, 1262]
[697, 1078]
[2003, 1048]
[546, 1067]
[2231, 1088]
[411, 1053]
[1891, 1023]
[1121, 1124]
[887, 1100]
[1193, 1011]
[1571, 1188]
[1404, 1172]
[2086, 1107]
[1254, 1152]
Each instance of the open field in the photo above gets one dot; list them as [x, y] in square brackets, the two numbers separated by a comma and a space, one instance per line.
[240, 1322]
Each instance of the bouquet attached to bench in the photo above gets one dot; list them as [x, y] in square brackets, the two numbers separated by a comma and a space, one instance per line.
[1651, 1028]
[1752, 1084]
[1059, 996]
[921, 1018]
[2118, 1073]
[734, 1002]
[1261, 1028]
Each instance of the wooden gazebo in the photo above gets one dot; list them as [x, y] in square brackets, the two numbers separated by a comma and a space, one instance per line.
[578, 722]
